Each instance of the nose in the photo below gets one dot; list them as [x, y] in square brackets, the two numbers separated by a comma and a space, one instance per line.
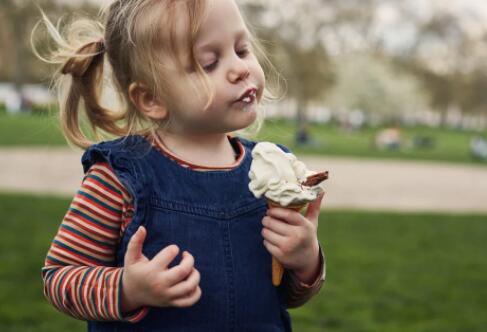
[239, 70]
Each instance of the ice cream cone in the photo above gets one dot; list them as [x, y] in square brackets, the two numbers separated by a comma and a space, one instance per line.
[279, 174]
[295, 207]
[277, 268]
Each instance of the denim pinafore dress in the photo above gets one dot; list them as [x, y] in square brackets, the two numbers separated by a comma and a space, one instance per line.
[214, 216]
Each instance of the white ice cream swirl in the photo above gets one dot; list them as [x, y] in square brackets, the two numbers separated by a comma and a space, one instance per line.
[278, 175]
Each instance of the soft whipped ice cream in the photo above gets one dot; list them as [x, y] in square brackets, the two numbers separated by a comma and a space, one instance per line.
[278, 176]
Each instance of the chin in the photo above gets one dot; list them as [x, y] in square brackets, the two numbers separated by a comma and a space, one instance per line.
[247, 123]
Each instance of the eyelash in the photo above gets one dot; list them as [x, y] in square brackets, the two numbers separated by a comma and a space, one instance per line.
[212, 66]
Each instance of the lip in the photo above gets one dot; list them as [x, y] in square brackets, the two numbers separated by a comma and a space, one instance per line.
[246, 93]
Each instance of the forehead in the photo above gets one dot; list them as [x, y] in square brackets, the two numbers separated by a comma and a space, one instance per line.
[223, 22]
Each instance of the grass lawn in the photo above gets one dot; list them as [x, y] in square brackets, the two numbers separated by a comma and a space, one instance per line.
[385, 271]
[449, 145]
[30, 130]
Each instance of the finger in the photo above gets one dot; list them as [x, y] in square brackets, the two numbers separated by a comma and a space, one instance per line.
[134, 247]
[165, 256]
[274, 250]
[289, 216]
[278, 226]
[189, 300]
[186, 287]
[313, 211]
[181, 271]
[273, 238]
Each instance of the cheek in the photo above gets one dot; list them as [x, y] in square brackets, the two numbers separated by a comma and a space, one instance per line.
[219, 98]
[193, 96]
[258, 72]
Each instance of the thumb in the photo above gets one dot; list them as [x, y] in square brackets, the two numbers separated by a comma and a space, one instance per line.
[134, 248]
[313, 210]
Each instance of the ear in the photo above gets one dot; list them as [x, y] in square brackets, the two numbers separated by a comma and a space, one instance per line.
[145, 102]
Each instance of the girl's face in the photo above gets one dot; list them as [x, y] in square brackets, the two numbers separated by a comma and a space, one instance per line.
[224, 51]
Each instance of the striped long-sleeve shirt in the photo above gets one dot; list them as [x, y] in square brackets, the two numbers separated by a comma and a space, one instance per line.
[79, 273]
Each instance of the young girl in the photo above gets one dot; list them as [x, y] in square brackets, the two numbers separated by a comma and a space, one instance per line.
[164, 234]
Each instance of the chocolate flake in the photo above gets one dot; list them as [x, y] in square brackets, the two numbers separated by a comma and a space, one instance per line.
[315, 179]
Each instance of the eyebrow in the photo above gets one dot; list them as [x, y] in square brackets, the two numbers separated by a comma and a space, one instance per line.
[209, 46]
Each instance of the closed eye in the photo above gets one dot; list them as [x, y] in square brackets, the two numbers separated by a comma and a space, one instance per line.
[210, 67]
[243, 52]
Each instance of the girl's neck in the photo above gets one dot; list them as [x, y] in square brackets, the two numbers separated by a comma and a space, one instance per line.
[212, 150]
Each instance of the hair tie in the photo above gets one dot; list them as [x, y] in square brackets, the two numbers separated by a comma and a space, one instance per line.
[77, 66]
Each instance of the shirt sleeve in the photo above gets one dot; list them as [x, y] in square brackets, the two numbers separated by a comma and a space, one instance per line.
[296, 292]
[79, 273]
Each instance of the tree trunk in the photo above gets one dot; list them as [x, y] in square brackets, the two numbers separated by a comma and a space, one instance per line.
[443, 116]
[302, 132]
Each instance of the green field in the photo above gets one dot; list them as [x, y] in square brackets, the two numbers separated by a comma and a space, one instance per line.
[385, 271]
[449, 145]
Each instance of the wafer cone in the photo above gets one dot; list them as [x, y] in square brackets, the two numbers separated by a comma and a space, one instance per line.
[277, 268]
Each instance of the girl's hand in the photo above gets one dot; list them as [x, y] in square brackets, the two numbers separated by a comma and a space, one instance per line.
[150, 282]
[292, 238]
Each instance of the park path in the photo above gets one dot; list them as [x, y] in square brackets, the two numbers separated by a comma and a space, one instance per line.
[354, 183]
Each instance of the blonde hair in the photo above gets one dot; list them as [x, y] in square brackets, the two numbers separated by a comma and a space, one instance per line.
[135, 44]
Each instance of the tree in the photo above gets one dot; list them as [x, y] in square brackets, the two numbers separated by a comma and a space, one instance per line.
[373, 85]
[17, 19]
[299, 53]
[441, 42]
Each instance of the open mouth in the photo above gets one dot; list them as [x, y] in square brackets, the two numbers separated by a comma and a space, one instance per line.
[248, 97]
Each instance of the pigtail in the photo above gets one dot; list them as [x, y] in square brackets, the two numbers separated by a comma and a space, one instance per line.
[79, 80]
[87, 79]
